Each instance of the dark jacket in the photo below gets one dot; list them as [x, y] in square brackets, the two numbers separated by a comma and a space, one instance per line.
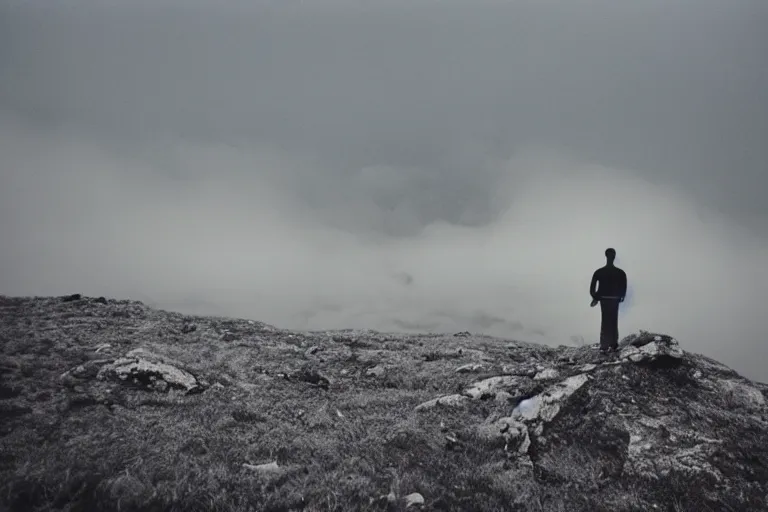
[613, 283]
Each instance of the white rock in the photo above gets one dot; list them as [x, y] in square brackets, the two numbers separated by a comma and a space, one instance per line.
[652, 351]
[546, 405]
[376, 371]
[269, 468]
[448, 400]
[528, 408]
[547, 374]
[414, 499]
[490, 385]
[467, 368]
[124, 368]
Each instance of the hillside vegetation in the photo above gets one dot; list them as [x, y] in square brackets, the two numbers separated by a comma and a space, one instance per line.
[112, 405]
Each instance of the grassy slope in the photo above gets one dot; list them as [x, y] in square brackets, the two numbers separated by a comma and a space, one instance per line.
[93, 445]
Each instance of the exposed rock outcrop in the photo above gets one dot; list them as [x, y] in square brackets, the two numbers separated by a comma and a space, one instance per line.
[142, 368]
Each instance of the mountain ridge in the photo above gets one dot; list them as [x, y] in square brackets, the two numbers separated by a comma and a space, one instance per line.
[109, 404]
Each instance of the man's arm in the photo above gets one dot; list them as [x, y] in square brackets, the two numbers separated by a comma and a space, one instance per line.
[623, 286]
[593, 286]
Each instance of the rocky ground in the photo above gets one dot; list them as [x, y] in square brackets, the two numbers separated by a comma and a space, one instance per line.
[111, 405]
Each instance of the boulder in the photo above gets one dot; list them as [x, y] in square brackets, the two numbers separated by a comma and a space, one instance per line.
[545, 406]
[650, 350]
[145, 370]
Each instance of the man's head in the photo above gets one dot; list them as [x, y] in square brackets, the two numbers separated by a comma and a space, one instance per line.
[610, 255]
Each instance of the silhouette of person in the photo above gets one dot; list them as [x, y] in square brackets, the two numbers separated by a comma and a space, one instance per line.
[613, 288]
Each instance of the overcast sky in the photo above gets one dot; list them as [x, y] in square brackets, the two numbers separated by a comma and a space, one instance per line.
[395, 165]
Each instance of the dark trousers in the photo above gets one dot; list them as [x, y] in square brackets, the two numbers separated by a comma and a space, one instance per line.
[609, 327]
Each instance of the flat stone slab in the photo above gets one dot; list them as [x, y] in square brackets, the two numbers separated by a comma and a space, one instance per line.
[546, 405]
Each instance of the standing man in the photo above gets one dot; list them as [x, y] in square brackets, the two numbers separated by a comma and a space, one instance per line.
[613, 288]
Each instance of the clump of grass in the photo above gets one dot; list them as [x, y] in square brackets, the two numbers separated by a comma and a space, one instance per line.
[573, 466]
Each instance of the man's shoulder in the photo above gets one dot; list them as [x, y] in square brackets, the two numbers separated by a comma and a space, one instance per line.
[609, 270]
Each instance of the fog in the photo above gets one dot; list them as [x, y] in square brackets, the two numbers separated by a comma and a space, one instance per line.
[400, 166]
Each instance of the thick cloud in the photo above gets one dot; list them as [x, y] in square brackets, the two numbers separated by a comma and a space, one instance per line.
[394, 165]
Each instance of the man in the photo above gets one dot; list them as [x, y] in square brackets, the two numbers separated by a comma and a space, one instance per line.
[613, 288]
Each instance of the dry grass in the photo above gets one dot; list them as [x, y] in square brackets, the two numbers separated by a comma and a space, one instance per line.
[337, 449]
[95, 445]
